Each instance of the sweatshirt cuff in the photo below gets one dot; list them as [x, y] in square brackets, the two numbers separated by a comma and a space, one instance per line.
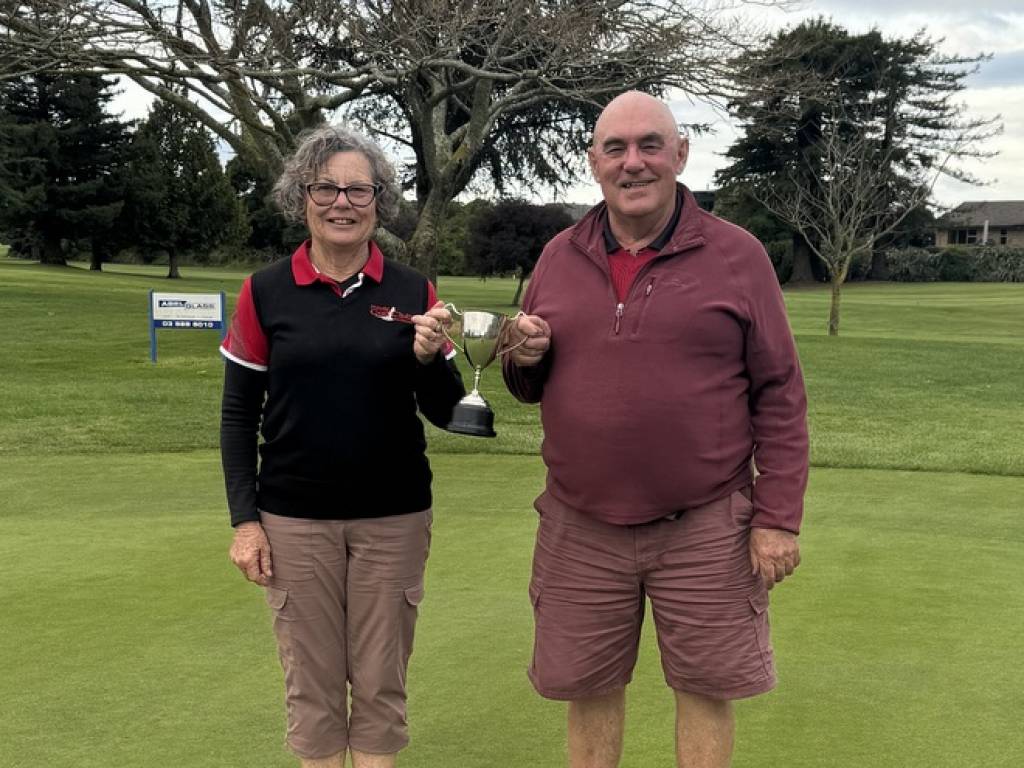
[773, 509]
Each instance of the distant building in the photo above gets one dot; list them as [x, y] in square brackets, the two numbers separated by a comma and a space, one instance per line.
[997, 222]
[705, 199]
[576, 210]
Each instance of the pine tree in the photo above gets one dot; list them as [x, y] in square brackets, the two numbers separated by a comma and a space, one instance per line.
[901, 91]
[62, 167]
[270, 231]
[844, 135]
[178, 199]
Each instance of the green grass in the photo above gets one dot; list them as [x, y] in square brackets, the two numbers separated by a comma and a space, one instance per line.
[129, 639]
[923, 377]
[125, 624]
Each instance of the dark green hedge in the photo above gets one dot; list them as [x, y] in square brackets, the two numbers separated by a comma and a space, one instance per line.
[986, 264]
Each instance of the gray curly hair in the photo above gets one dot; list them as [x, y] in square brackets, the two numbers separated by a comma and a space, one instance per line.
[315, 148]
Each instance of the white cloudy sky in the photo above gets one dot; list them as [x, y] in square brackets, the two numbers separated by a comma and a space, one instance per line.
[990, 26]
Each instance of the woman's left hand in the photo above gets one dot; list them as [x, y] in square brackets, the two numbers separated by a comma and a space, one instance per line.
[430, 338]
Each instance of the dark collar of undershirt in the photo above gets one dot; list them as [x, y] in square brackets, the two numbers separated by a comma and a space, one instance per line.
[611, 244]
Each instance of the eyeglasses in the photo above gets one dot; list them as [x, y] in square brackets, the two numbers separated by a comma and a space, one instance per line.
[358, 195]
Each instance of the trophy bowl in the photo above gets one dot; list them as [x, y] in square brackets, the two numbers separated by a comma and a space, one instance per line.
[481, 333]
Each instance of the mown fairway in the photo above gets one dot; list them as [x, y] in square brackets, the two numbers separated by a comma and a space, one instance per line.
[128, 639]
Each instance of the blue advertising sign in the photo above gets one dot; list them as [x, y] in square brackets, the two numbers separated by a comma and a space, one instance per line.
[189, 311]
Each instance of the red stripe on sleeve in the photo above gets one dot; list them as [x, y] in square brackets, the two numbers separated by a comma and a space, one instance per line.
[246, 342]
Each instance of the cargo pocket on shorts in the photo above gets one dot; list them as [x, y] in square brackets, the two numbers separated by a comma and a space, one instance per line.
[414, 594]
[759, 605]
[534, 591]
[741, 508]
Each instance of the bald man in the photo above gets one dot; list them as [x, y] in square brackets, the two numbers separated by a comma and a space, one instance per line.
[657, 344]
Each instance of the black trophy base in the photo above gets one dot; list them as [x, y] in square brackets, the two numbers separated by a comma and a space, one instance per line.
[472, 419]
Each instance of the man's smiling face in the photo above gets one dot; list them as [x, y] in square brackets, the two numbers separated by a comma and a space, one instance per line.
[636, 155]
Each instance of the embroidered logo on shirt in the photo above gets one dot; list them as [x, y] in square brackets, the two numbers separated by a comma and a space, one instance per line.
[390, 314]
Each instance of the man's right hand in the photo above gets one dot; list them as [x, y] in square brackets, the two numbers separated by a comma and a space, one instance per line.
[250, 551]
[533, 335]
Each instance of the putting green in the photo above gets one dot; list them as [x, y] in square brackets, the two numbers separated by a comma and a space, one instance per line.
[126, 629]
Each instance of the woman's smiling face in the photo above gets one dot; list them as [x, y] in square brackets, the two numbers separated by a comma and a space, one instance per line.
[342, 226]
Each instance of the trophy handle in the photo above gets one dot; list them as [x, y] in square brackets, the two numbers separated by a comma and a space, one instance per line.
[444, 328]
[510, 323]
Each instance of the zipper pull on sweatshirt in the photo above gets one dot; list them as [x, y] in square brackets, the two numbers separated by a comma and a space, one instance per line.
[619, 308]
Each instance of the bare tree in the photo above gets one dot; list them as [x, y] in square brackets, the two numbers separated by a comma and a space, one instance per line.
[506, 88]
[846, 198]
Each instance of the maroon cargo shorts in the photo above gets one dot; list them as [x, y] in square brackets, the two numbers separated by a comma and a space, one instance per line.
[588, 590]
[344, 595]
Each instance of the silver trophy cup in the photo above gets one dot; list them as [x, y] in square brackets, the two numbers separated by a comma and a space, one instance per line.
[481, 334]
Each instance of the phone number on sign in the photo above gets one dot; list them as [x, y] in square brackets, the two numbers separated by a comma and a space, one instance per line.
[188, 324]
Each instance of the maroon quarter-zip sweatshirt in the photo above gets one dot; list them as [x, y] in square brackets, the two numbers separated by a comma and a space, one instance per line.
[656, 403]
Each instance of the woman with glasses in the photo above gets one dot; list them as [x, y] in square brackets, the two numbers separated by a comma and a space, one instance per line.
[330, 356]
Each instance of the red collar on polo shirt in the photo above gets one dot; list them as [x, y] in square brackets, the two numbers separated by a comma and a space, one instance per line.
[305, 273]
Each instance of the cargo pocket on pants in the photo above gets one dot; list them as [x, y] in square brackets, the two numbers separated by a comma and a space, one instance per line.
[276, 598]
[409, 611]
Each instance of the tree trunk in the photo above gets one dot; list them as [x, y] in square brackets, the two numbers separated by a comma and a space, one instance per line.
[519, 288]
[803, 272]
[96, 260]
[423, 243]
[52, 253]
[172, 266]
[879, 266]
[391, 245]
[833, 312]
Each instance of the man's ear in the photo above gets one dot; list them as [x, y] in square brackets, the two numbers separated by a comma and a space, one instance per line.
[592, 162]
[683, 154]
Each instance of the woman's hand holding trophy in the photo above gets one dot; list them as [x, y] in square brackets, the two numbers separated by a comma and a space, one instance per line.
[430, 334]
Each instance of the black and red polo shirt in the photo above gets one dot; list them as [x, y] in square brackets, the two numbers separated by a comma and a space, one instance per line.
[323, 373]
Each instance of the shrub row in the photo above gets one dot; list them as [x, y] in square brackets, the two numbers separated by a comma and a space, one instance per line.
[985, 264]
